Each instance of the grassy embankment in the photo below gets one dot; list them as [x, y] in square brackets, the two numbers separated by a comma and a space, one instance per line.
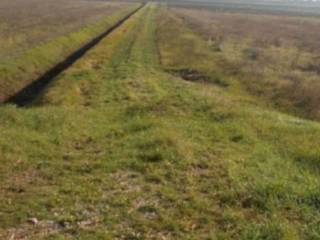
[118, 148]
[16, 72]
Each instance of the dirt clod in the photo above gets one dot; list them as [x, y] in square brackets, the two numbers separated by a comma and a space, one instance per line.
[190, 75]
[33, 221]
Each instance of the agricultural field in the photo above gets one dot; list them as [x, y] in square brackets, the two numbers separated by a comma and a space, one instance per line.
[276, 57]
[36, 34]
[154, 134]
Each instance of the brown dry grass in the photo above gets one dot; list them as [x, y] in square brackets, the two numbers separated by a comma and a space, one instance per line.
[24, 24]
[276, 57]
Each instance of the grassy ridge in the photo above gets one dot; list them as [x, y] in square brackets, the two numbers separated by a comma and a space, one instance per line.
[118, 148]
[18, 72]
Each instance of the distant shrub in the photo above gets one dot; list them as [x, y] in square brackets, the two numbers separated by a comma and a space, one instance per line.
[251, 53]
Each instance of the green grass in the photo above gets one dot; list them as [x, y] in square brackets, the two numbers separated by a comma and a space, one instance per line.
[118, 148]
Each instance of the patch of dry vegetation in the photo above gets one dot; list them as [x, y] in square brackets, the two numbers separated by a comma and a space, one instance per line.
[276, 57]
[27, 23]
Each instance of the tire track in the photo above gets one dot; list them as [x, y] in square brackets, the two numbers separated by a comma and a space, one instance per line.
[30, 92]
